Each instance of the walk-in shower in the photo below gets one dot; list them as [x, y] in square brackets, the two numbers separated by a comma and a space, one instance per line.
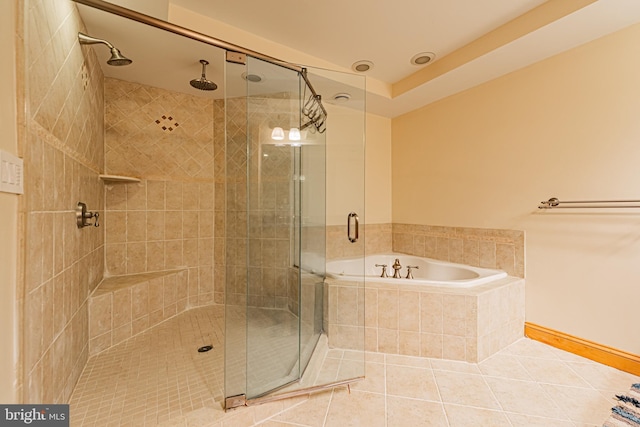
[239, 217]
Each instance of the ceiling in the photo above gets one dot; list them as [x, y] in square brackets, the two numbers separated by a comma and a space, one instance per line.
[339, 32]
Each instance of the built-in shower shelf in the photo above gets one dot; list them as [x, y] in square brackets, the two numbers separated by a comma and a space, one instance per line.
[119, 178]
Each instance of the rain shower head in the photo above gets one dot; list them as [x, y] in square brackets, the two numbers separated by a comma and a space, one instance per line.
[202, 83]
[117, 58]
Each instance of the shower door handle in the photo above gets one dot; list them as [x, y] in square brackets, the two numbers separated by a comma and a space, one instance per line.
[356, 228]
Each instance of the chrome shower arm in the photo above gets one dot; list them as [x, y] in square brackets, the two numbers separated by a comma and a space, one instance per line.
[85, 39]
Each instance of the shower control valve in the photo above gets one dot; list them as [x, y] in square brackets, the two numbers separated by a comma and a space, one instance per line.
[384, 269]
[83, 216]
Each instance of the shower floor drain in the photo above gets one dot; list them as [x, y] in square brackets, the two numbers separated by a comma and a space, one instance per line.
[205, 348]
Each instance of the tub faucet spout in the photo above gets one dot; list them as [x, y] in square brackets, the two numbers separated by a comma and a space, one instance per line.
[396, 269]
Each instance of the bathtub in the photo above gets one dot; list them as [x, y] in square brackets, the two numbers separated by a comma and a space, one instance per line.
[429, 271]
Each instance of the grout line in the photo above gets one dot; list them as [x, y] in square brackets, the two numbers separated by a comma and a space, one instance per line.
[444, 411]
[384, 376]
[326, 413]
[496, 399]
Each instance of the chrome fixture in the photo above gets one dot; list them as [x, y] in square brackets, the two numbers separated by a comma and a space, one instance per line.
[341, 97]
[202, 83]
[235, 53]
[83, 216]
[555, 203]
[117, 58]
[422, 58]
[252, 77]
[313, 110]
[362, 66]
[357, 227]
[384, 270]
[409, 268]
[396, 269]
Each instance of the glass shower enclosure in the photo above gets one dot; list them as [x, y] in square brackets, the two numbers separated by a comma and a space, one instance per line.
[288, 170]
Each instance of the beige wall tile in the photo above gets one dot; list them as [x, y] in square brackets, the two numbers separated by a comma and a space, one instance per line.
[101, 310]
[409, 343]
[121, 308]
[388, 309]
[136, 226]
[431, 313]
[505, 258]
[388, 340]
[140, 300]
[453, 347]
[409, 311]
[156, 195]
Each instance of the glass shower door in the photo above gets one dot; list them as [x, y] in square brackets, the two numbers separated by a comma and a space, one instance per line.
[273, 276]
[291, 187]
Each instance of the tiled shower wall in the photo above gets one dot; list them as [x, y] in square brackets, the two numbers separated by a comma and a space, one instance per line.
[62, 145]
[269, 212]
[165, 221]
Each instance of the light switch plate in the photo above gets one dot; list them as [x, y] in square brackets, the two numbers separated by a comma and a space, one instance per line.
[11, 173]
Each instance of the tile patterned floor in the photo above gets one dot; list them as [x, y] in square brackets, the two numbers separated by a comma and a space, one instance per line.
[526, 384]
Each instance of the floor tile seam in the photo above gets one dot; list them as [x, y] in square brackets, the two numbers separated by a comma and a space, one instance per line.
[550, 398]
[457, 372]
[495, 398]
[498, 411]
[433, 377]
[284, 410]
[507, 353]
[409, 366]
[566, 364]
[326, 411]
[569, 364]
[505, 412]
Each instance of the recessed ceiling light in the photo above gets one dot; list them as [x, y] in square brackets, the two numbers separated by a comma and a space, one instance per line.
[362, 66]
[423, 58]
[341, 97]
[253, 78]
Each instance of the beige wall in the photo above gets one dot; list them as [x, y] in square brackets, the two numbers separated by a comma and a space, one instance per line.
[566, 127]
[378, 169]
[8, 213]
[348, 163]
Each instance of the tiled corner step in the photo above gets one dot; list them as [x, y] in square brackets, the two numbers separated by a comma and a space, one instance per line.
[123, 306]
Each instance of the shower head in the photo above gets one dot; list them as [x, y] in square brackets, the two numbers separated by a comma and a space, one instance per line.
[117, 58]
[202, 83]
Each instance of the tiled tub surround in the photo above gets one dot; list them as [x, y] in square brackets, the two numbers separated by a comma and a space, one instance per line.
[428, 321]
[478, 247]
[124, 306]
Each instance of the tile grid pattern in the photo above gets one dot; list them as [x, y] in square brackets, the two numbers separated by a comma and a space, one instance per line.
[158, 378]
[527, 384]
[125, 306]
[478, 247]
[61, 86]
[461, 324]
[167, 220]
